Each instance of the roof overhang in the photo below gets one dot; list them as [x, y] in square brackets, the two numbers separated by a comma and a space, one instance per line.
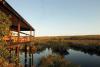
[15, 17]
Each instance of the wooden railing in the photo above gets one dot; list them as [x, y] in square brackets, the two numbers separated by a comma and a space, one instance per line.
[14, 39]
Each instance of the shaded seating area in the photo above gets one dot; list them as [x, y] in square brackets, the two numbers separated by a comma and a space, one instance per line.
[20, 30]
[21, 35]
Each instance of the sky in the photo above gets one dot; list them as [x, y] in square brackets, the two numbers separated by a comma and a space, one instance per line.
[60, 17]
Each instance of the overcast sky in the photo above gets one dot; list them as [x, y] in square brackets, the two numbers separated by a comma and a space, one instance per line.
[60, 17]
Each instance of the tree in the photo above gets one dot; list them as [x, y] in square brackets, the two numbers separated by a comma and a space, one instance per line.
[5, 24]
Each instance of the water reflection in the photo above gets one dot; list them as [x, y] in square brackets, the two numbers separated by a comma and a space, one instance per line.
[37, 56]
[85, 60]
[34, 59]
[91, 50]
[26, 63]
[61, 52]
[55, 61]
[74, 55]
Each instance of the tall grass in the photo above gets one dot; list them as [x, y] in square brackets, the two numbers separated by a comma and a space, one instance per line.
[55, 61]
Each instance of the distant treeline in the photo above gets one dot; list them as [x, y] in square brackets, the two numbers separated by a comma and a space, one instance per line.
[83, 40]
[85, 37]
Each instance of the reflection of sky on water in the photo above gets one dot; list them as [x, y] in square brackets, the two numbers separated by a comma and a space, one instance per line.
[22, 58]
[85, 60]
[77, 57]
[36, 56]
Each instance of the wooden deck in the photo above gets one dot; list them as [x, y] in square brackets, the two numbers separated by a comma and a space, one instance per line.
[19, 24]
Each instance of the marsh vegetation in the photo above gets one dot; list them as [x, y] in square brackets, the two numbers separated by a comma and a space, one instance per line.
[64, 46]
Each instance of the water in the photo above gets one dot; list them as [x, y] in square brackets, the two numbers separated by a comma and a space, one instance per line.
[36, 57]
[83, 59]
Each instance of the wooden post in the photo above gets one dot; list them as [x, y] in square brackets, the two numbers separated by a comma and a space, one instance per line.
[30, 34]
[10, 55]
[25, 55]
[17, 54]
[33, 37]
[33, 33]
[18, 47]
[10, 42]
[9, 37]
[17, 50]
[18, 31]
[30, 58]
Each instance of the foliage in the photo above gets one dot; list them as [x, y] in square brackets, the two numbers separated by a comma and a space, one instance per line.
[4, 53]
[3, 62]
[5, 24]
[55, 61]
[64, 41]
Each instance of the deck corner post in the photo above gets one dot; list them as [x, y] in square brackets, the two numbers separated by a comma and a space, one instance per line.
[18, 30]
[30, 34]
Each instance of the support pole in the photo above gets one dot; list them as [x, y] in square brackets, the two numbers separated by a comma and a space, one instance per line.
[32, 59]
[30, 56]
[10, 37]
[10, 42]
[18, 32]
[30, 34]
[34, 33]
[18, 47]
[25, 56]
[18, 40]
[33, 37]
[17, 51]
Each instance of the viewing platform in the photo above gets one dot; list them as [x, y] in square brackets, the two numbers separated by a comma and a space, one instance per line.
[19, 28]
